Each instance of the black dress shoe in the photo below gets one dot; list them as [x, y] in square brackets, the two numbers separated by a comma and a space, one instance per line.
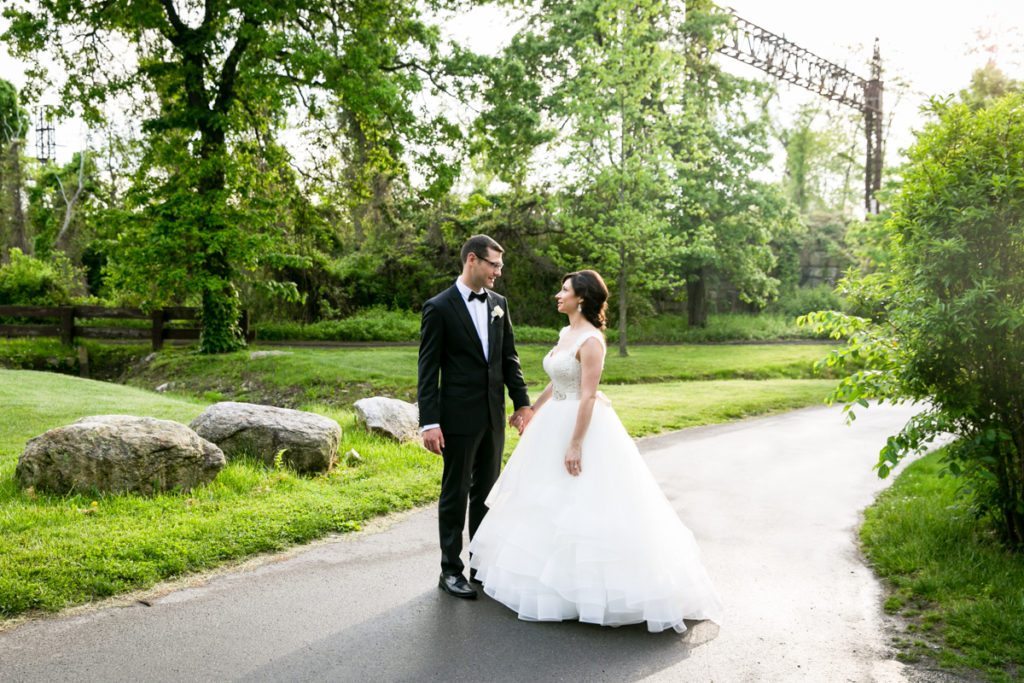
[456, 584]
[472, 577]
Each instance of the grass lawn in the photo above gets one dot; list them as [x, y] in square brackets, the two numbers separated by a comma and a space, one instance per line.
[960, 593]
[57, 551]
[340, 376]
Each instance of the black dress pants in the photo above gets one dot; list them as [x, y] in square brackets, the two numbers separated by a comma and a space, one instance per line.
[471, 466]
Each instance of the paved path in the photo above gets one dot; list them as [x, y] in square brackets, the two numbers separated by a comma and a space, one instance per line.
[774, 503]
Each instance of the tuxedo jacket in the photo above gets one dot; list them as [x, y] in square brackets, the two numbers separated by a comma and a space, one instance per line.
[457, 387]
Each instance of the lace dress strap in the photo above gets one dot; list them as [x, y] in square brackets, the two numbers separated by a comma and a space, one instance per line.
[584, 337]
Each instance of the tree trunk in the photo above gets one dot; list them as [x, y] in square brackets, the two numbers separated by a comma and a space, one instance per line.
[696, 299]
[623, 273]
[19, 233]
[221, 305]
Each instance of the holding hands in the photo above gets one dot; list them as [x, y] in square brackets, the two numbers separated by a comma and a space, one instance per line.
[521, 418]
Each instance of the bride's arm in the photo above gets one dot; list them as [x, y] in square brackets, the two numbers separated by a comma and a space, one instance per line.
[543, 398]
[591, 357]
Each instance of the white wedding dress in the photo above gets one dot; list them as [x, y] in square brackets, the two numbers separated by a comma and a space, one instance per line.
[605, 547]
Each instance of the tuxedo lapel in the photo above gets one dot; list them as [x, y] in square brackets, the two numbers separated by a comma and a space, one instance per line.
[456, 302]
[494, 328]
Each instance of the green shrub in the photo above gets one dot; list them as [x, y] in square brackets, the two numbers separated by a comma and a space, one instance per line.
[951, 307]
[371, 324]
[807, 299]
[29, 281]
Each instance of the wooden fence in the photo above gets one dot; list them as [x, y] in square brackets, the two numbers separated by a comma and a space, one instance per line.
[175, 323]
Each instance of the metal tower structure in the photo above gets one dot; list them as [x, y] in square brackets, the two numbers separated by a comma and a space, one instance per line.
[787, 61]
[46, 147]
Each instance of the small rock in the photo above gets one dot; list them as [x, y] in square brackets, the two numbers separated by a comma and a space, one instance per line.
[310, 441]
[150, 358]
[166, 386]
[352, 458]
[256, 355]
[390, 417]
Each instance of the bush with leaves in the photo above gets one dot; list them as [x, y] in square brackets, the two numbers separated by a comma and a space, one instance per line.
[948, 328]
[29, 281]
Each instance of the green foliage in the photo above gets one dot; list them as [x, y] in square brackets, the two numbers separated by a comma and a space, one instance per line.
[372, 324]
[205, 209]
[26, 280]
[804, 300]
[947, 321]
[955, 587]
[820, 159]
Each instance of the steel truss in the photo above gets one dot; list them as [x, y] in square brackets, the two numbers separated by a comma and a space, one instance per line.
[787, 61]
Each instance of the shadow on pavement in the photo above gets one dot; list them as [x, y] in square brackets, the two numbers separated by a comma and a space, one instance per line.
[437, 637]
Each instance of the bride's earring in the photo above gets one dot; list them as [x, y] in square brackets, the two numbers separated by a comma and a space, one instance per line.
[579, 307]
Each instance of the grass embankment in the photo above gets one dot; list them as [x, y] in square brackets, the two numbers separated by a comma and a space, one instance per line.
[341, 376]
[960, 594]
[56, 551]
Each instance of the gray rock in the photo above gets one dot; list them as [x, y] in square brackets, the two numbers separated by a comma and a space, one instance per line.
[256, 355]
[117, 454]
[390, 417]
[310, 441]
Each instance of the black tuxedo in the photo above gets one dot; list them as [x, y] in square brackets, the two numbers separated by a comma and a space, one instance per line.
[464, 392]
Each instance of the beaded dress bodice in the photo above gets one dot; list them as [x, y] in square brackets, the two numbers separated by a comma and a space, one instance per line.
[564, 368]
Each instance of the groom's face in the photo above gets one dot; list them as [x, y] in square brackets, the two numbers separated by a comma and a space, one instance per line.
[485, 271]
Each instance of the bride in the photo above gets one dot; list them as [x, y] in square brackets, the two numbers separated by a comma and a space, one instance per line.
[577, 526]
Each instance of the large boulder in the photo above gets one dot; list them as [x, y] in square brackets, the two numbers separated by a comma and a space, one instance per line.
[390, 417]
[118, 454]
[309, 441]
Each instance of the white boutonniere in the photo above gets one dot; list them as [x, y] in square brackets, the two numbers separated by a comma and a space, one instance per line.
[496, 312]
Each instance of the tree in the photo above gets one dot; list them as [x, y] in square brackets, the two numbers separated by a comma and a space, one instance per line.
[725, 217]
[214, 83]
[13, 127]
[950, 312]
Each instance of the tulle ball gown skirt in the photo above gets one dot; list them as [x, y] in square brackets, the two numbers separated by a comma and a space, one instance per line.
[605, 547]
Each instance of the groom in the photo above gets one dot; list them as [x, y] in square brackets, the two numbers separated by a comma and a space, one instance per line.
[466, 338]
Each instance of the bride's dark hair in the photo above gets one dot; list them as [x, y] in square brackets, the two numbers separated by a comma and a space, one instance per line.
[589, 286]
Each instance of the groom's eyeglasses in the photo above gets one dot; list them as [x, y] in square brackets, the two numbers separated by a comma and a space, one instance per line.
[496, 266]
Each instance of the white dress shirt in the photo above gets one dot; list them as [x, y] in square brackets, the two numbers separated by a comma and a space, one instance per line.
[477, 313]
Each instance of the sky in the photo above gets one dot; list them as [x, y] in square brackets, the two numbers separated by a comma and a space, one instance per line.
[931, 45]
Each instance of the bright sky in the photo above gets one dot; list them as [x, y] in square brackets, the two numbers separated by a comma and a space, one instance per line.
[930, 44]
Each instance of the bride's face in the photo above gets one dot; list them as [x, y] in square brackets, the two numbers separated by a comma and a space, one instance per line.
[566, 298]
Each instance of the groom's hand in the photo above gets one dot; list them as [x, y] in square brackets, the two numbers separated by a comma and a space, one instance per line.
[521, 418]
[433, 440]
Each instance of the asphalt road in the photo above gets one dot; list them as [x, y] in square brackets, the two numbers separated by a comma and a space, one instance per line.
[774, 503]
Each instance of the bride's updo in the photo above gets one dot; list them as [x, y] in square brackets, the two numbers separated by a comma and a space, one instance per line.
[590, 288]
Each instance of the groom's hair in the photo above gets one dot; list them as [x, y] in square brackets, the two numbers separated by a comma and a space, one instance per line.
[479, 244]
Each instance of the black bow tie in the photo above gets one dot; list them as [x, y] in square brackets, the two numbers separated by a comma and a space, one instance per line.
[474, 296]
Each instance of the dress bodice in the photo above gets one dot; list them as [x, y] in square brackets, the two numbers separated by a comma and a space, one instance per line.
[564, 368]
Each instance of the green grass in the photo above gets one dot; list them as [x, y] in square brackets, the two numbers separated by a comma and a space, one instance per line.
[960, 592]
[340, 376]
[57, 551]
[652, 408]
